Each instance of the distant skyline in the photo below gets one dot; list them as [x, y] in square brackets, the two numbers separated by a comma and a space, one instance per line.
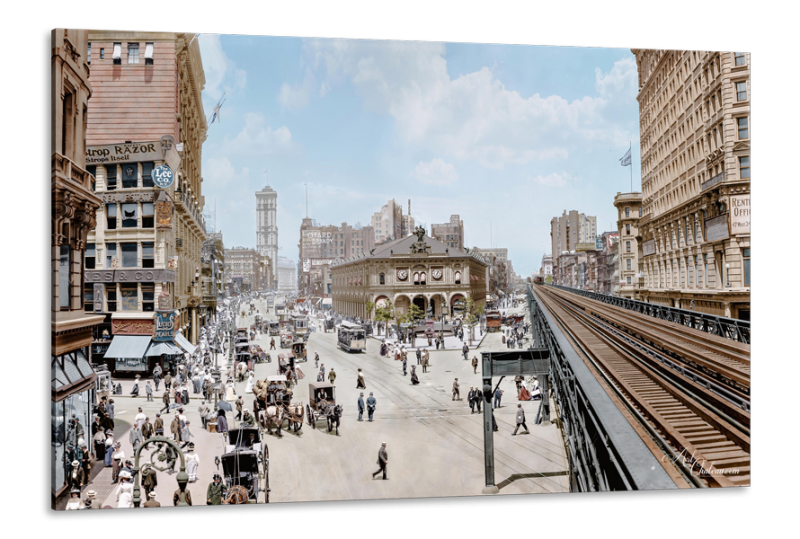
[501, 134]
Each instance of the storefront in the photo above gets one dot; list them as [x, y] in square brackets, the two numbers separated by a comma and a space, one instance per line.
[73, 395]
[128, 354]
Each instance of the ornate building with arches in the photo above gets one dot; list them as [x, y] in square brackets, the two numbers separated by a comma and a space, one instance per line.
[416, 269]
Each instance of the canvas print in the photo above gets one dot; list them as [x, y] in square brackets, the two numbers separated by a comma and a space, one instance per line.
[297, 270]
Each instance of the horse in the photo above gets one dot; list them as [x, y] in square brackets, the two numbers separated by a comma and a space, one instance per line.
[273, 416]
[333, 413]
[294, 414]
[236, 495]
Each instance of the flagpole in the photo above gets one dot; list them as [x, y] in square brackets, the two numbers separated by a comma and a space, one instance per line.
[630, 147]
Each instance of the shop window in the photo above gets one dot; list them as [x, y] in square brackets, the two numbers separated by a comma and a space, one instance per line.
[133, 53]
[148, 297]
[57, 443]
[148, 261]
[89, 257]
[111, 255]
[148, 54]
[130, 296]
[746, 257]
[111, 177]
[130, 255]
[88, 297]
[147, 174]
[63, 276]
[111, 297]
[148, 215]
[130, 215]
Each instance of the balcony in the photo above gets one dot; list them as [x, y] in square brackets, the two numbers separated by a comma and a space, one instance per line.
[708, 184]
[186, 205]
[67, 171]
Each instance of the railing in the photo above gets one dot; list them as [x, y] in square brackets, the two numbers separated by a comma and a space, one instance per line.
[730, 328]
[66, 169]
[708, 184]
[602, 453]
[190, 208]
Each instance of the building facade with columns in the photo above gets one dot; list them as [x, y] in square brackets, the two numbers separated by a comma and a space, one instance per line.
[146, 112]
[74, 204]
[629, 210]
[694, 235]
[409, 270]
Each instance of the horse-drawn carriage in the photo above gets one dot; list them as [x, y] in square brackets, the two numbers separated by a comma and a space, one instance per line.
[274, 328]
[273, 405]
[286, 340]
[299, 350]
[322, 405]
[245, 466]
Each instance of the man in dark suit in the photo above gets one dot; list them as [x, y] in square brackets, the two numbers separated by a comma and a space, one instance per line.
[151, 502]
[383, 460]
[361, 406]
[471, 400]
[520, 420]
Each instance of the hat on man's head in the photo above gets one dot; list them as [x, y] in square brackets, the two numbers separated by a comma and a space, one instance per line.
[152, 494]
[75, 463]
[91, 493]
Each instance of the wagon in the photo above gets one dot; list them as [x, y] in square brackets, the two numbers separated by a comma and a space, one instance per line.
[299, 350]
[245, 465]
[286, 340]
[320, 395]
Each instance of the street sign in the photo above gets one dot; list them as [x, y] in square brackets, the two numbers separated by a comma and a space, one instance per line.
[163, 176]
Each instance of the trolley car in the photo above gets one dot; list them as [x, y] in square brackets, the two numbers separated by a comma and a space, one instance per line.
[352, 337]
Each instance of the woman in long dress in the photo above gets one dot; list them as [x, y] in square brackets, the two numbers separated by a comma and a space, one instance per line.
[250, 382]
[125, 490]
[230, 391]
[222, 422]
[414, 379]
[135, 390]
[192, 462]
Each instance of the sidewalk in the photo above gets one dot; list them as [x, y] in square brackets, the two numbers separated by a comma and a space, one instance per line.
[450, 343]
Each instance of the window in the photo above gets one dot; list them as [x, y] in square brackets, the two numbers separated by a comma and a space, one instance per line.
[111, 177]
[89, 54]
[148, 215]
[111, 255]
[102, 54]
[63, 276]
[629, 279]
[627, 212]
[744, 167]
[88, 297]
[458, 277]
[696, 263]
[130, 255]
[89, 259]
[629, 264]
[130, 215]
[147, 174]
[628, 230]
[133, 53]
[92, 169]
[640, 211]
[111, 216]
[746, 256]
[148, 54]
[705, 268]
[111, 297]
[740, 60]
[130, 176]
[117, 54]
[422, 278]
[148, 297]
[696, 225]
[416, 277]
[744, 132]
[686, 238]
[382, 278]
[741, 91]
[628, 246]
[148, 261]
[130, 296]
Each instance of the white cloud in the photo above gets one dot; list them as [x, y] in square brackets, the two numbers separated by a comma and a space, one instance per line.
[473, 116]
[256, 139]
[218, 170]
[554, 180]
[435, 172]
[220, 71]
[297, 97]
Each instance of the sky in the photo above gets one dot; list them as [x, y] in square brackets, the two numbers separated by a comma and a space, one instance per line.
[505, 136]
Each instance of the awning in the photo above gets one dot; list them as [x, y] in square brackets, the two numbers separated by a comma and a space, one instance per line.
[70, 373]
[128, 346]
[158, 348]
[181, 341]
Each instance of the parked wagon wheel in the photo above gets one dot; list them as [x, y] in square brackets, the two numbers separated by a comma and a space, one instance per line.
[237, 495]
[310, 416]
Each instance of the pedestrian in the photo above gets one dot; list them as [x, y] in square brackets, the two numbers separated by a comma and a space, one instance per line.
[239, 407]
[316, 360]
[116, 462]
[216, 492]
[520, 420]
[74, 503]
[135, 389]
[360, 383]
[383, 461]
[456, 390]
[437, 343]
[332, 376]
[175, 427]
[414, 378]
[158, 425]
[98, 441]
[478, 396]
[425, 362]
[110, 409]
[186, 435]
[91, 501]
[86, 462]
[151, 500]
[167, 382]
[148, 389]
[498, 394]
[465, 351]
[77, 477]
[165, 400]
[192, 462]
[272, 343]
[136, 437]
[474, 364]
[184, 393]
[419, 356]
[371, 404]
[470, 399]
[157, 375]
[139, 418]
[518, 380]
[125, 491]
[222, 422]
[203, 411]
[405, 363]
[149, 479]
[361, 406]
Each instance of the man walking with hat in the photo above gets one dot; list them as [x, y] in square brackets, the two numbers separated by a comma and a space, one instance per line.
[383, 460]
[520, 420]
[151, 500]
[216, 491]
[91, 501]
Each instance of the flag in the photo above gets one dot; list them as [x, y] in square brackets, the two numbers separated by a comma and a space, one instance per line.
[625, 161]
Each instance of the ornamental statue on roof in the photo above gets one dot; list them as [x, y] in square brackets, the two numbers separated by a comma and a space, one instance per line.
[420, 246]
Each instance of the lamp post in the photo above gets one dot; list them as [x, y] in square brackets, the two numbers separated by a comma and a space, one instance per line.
[166, 455]
[727, 276]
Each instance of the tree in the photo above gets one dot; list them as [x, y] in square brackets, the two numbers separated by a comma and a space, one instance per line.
[412, 314]
[384, 313]
[369, 306]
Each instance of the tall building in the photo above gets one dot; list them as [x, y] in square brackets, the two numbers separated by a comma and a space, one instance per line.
[213, 271]
[694, 111]
[569, 233]
[388, 223]
[547, 266]
[451, 234]
[287, 275]
[407, 227]
[248, 267]
[73, 215]
[267, 226]
[146, 111]
[629, 210]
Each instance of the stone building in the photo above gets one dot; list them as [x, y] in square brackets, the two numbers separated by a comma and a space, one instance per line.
[694, 235]
[212, 274]
[451, 234]
[73, 215]
[146, 111]
[287, 275]
[404, 272]
[267, 229]
[388, 222]
[567, 232]
[629, 210]
[249, 266]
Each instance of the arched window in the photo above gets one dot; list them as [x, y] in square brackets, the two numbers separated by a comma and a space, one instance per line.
[422, 278]
[458, 277]
[416, 277]
[382, 279]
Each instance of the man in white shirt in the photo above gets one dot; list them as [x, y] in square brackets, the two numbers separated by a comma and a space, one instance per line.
[139, 419]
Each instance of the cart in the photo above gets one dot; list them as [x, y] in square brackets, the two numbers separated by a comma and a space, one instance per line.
[321, 399]
[299, 350]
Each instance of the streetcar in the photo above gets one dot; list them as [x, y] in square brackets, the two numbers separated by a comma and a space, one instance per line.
[352, 337]
[299, 324]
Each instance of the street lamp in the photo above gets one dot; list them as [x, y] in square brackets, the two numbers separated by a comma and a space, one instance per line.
[166, 455]
[727, 275]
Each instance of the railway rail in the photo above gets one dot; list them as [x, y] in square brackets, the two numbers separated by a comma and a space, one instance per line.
[692, 396]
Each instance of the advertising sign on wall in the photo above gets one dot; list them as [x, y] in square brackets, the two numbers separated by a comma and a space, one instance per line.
[649, 248]
[740, 214]
[717, 228]
[165, 326]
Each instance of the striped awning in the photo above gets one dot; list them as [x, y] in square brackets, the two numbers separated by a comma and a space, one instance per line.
[133, 346]
[181, 341]
[158, 348]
